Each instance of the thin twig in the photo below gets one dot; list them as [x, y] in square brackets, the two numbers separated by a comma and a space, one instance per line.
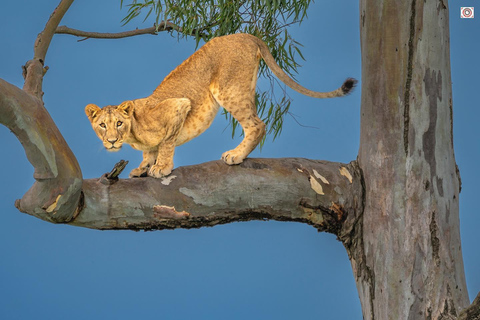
[299, 123]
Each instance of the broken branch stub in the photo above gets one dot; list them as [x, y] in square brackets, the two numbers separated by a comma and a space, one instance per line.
[112, 176]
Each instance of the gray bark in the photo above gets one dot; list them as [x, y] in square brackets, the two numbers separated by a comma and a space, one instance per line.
[408, 262]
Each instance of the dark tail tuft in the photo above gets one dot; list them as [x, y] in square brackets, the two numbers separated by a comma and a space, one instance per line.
[348, 85]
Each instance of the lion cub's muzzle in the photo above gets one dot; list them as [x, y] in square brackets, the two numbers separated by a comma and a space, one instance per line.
[112, 145]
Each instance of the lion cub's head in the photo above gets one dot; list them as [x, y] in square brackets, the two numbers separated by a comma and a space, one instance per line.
[112, 124]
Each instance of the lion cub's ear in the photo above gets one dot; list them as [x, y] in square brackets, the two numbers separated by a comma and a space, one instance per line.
[91, 110]
[126, 107]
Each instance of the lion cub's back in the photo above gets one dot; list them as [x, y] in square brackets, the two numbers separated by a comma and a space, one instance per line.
[226, 58]
[233, 54]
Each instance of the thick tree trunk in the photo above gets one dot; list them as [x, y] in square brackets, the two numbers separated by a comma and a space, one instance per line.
[408, 262]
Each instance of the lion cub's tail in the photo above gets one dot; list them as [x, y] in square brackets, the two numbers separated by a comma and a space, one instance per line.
[345, 89]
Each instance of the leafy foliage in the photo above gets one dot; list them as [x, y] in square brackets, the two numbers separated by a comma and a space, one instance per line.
[266, 19]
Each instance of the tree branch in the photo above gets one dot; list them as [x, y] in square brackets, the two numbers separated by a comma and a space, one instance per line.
[472, 312]
[34, 70]
[163, 26]
[57, 190]
[57, 193]
[319, 193]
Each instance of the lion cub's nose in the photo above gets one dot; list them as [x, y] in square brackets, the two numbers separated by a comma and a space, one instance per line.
[112, 140]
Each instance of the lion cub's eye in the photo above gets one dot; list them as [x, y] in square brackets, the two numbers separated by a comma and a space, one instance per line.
[102, 125]
[119, 123]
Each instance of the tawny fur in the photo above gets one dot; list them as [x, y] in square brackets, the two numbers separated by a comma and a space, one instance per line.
[221, 73]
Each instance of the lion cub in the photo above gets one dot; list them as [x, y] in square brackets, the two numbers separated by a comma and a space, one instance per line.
[221, 73]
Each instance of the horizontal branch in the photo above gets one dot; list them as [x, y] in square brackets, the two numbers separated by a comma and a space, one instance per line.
[322, 194]
[163, 26]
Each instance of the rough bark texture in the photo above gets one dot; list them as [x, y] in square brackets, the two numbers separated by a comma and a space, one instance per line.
[472, 312]
[408, 262]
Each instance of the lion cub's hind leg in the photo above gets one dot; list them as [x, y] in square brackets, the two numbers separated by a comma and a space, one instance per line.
[244, 111]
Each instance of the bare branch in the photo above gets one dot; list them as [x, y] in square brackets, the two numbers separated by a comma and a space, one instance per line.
[164, 26]
[45, 37]
[34, 69]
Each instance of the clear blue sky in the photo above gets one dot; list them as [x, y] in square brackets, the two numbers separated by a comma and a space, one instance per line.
[254, 270]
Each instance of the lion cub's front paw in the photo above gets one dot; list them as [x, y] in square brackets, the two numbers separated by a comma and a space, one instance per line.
[138, 172]
[158, 171]
[232, 157]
